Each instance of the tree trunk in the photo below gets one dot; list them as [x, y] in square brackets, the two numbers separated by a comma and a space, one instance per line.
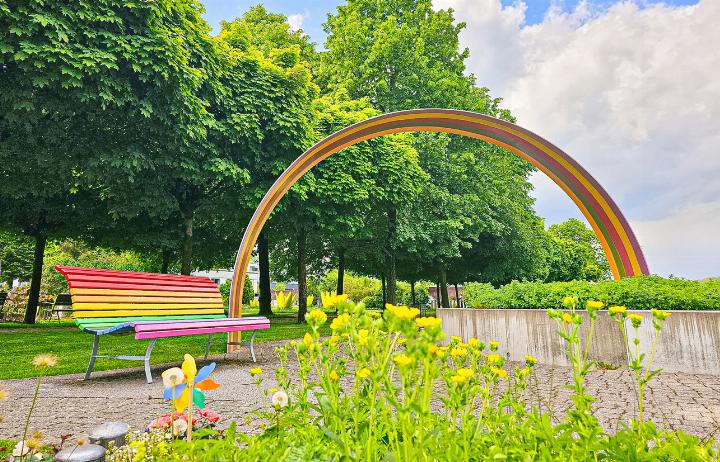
[302, 273]
[187, 248]
[34, 295]
[390, 258]
[264, 296]
[457, 296]
[165, 260]
[413, 300]
[444, 296]
[384, 294]
[341, 271]
[438, 300]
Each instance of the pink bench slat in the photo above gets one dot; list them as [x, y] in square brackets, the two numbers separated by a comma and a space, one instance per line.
[169, 325]
[198, 331]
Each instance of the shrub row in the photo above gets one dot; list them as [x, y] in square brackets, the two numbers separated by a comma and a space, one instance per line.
[639, 293]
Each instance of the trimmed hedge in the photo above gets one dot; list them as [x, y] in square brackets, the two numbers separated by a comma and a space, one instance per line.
[637, 293]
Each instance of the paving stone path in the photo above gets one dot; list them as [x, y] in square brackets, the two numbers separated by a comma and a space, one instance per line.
[689, 402]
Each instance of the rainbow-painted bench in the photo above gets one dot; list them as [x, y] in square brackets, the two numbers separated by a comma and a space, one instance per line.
[152, 306]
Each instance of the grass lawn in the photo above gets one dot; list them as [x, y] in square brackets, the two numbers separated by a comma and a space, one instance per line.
[21, 342]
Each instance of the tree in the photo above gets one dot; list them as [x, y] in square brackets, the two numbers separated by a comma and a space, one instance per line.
[576, 253]
[16, 255]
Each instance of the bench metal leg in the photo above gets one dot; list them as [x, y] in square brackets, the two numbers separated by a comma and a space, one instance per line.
[207, 348]
[93, 355]
[252, 346]
[148, 375]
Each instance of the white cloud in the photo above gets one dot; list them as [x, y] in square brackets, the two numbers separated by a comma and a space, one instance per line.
[296, 20]
[629, 91]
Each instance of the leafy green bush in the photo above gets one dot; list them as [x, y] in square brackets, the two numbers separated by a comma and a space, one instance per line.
[404, 297]
[356, 287]
[248, 291]
[640, 293]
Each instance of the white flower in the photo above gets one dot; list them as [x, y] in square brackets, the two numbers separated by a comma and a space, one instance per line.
[21, 449]
[173, 377]
[280, 399]
[179, 427]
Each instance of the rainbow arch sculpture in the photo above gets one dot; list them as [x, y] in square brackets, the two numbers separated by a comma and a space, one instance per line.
[612, 229]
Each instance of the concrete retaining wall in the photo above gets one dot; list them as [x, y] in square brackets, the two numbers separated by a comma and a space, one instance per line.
[689, 341]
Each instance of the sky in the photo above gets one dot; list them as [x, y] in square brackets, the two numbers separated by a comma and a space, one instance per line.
[627, 88]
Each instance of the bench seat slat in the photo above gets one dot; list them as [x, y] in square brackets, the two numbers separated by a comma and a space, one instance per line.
[117, 299]
[131, 286]
[72, 271]
[138, 280]
[77, 307]
[161, 325]
[139, 293]
[198, 331]
[121, 313]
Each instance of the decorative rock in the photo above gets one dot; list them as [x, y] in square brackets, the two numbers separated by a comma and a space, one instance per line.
[83, 453]
[109, 431]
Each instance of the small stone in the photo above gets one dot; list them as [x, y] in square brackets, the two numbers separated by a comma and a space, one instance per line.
[82, 453]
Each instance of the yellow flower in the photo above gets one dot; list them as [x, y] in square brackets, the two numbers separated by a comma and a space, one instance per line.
[433, 349]
[567, 318]
[455, 338]
[33, 443]
[465, 372]
[340, 322]
[3, 394]
[494, 358]
[473, 342]
[273, 390]
[334, 339]
[334, 376]
[569, 302]
[530, 360]
[317, 316]
[45, 360]
[635, 319]
[330, 299]
[401, 341]
[403, 312]
[256, 371]
[308, 340]
[373, 314]
[594, 305]
[494, 345]
[428, 322]
[660, 315]
[458, 379]
[502, 373]
[363, 373]
[402, 360]
[525, 371]
[293, 343]
[363, 337]
[617, 310]
[458, 352]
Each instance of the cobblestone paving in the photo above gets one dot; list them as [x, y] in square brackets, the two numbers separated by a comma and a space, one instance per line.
[689, 402]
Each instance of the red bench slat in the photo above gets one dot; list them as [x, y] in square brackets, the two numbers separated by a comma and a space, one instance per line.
[74, 270]
[131, 286]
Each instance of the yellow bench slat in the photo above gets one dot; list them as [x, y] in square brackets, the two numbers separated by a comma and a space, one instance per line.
[143, 306]
[135, 313]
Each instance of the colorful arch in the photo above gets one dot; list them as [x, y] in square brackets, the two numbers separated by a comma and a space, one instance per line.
[621, 247]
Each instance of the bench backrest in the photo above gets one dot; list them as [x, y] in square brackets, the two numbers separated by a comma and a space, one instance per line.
[107, 297]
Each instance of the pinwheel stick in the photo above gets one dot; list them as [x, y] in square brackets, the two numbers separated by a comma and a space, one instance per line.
[191, 385]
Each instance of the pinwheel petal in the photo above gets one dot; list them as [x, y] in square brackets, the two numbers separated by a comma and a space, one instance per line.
[189, 368]
[183, 401]
[198, 399]
[207, 384]
[205, 372]
[168, 393]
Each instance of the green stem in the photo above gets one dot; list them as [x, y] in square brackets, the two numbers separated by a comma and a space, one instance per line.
[30, 411]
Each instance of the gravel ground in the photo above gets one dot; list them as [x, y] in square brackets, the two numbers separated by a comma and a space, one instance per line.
[69, 405]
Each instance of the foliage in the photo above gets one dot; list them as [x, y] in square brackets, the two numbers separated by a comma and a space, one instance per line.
[575, 253]
[365, 393]
[640, 293]
[16, 256]
[248, 291]
[357, 287]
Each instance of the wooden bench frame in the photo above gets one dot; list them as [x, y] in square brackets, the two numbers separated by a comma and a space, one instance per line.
[152, 306]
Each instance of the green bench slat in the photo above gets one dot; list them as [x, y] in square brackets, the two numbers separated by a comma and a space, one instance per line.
[101, 322]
